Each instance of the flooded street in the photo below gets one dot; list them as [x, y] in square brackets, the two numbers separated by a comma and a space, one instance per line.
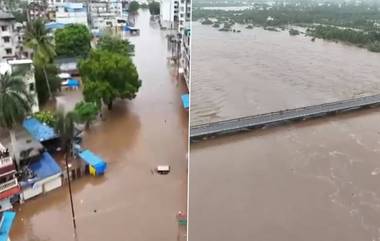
[258, 71]
[129, 202]
[314, 180]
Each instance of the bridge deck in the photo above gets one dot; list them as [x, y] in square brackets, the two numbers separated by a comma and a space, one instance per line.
[279, 117]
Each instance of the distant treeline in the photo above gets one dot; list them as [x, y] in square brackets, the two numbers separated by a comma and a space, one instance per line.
[363, 16]
[357, 24]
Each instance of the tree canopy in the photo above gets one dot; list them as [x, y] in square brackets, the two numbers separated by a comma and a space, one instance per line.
[37, 38]
[154, 8]
[107, 76]
[133, 7]
[116, 45]
[73, 40]
[85, 112]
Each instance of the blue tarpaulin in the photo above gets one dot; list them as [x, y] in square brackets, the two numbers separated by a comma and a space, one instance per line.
[94, 160]
[39, 131]
[7, 221]
[72, 83]
[43, 168]
[185, 101]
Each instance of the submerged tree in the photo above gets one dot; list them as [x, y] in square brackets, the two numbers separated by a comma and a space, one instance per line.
[86, 112]
[154, 8]
[116, 45]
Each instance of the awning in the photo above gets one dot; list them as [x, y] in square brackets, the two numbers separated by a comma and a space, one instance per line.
[39, 131]
[185, 101]
[6, 224]
[71, 83]
[94, 160]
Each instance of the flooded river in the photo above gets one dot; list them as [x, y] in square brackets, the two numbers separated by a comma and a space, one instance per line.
[315, 180]
[258, 71]
[129, 202]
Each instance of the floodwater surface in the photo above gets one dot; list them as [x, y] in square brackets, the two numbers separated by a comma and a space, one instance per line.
[315, 180]
[130, 202]
[259, 71]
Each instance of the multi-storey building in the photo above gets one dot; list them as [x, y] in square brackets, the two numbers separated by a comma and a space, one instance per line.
[24, 66]
[8, 40]
[9, 186]
[71, 13]
[185, 30]
[106, 13]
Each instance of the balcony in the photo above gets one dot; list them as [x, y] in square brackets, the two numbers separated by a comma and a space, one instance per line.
[8, 185]
[6, 161]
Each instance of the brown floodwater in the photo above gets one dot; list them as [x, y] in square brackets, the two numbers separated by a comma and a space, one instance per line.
[129, 202]
[315, 180]
[258, 71]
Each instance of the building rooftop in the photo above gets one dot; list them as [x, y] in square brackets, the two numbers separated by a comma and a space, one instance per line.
[6, 16]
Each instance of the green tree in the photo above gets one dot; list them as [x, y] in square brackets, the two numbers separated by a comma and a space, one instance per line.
[36, 38]
[133, 7]
[154, 8]
[107, 75]
[72, 41]
[15, 104]
[116, 45]
[86, 112]
[41, 86]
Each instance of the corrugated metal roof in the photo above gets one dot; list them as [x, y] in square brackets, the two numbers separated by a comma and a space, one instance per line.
[5, 15]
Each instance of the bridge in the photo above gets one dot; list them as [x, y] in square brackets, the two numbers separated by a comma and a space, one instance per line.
[202, 131]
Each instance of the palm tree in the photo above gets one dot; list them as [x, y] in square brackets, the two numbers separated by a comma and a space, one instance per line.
[37, 38]
[65, 129]
[15, 104]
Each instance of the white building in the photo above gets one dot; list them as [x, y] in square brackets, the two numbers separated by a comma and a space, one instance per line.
[26, 67]
[8, 36]
[71, 13]
[107, 13]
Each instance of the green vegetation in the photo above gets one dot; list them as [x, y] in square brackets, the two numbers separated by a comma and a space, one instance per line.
[353, 23]
[86, 112]
[15, 103]
[133, 7]
[357, 37]
[47, 117]
[207, 22]
[216, 25]
[107, 76]
[72, 41]
[116, 45]
[293, 32]
[36, 38]
[41, 85]
[154, 8]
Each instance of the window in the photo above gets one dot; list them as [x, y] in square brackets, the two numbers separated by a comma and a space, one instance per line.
[31, 87]
[8, 51]
[6, 39]
[4, 28]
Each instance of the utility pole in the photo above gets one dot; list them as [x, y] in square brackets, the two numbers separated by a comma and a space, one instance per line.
[68, 152]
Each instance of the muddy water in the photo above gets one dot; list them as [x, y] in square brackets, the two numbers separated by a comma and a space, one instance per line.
[129, 202]
[258, 71]
[316, 180]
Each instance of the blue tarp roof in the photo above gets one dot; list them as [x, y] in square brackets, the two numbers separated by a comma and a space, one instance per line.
[93, 160]
[73, 83]
[6, 226]
[185, 101]
[43, 168]
[38, 130]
